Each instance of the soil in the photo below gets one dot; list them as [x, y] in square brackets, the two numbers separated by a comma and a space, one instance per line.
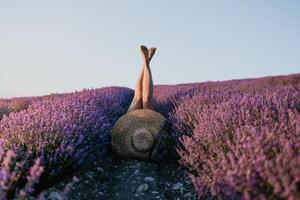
[126, 179]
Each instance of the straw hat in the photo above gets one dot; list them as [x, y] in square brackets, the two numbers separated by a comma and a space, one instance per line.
[134, 134]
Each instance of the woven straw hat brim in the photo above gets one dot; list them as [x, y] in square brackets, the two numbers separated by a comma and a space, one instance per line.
[144, 121]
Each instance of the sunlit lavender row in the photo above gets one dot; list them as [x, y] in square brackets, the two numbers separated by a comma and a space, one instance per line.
[56, 135]
[238, 139]
[241, 140]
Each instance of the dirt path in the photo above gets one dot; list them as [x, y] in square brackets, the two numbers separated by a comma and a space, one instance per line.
[128, 179]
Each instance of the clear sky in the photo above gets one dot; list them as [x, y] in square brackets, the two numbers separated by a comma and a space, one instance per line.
[61, 46]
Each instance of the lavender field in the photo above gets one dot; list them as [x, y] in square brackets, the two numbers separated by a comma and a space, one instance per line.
[238, 139]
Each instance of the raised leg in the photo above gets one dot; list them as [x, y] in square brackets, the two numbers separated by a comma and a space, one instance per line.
[148, 82]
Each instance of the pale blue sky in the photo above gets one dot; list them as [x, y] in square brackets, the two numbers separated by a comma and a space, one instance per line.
[60, 46]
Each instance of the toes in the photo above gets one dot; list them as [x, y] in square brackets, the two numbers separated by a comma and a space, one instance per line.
[144, 50]
[143, 47]
[151, 52]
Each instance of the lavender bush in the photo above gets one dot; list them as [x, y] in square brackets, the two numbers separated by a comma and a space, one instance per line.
[16, 104]
[239, 143]
[57, 136]
[4, 110]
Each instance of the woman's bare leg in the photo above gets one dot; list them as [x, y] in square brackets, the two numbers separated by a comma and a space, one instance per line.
[148, 82]
[139, 86]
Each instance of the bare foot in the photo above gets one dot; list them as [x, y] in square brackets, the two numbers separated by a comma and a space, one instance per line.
[151, 53]
[145, 53]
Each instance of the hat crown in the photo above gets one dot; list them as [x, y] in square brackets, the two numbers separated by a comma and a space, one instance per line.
[142, 140]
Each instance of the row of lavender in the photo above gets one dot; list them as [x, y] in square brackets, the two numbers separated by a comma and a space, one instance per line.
[14, 105]
[241, 139]
[46, 137]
